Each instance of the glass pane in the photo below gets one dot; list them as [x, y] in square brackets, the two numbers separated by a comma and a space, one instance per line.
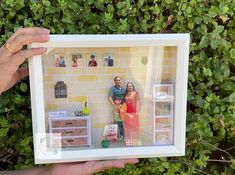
[110, 97]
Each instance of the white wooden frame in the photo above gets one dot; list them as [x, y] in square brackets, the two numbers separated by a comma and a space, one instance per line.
[181, 41]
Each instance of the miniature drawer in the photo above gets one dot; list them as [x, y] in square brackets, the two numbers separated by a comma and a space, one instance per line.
[82, 141]
[71, 132]
[164, 137]
[69, 123]
[163, 123]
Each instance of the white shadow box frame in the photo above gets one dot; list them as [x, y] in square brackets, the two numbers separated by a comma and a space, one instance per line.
[180, 41]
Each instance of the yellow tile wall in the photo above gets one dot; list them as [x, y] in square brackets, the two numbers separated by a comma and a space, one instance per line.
[77, 99]
[98, 125]
[87, 78]
[97, 70]
[115, 70]
[56, 70]
[47, 78]
[52, 100]
[50, 107]
[77, 70]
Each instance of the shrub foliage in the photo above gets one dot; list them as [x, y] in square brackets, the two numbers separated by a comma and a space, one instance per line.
[211, 88]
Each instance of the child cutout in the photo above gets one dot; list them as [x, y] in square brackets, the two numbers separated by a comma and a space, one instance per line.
[117, 113]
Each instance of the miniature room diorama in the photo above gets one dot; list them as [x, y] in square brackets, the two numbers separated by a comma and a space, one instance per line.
[110, 97]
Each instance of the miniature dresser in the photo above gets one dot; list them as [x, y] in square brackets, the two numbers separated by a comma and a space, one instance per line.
[75, 131]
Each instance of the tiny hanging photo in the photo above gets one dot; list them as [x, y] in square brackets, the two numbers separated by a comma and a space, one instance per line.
[108, 60]
[60, 60]
[77, 60]
[92, 60]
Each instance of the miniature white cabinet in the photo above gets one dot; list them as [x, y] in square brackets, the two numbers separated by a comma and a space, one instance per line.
[75, 131]
[163, 102]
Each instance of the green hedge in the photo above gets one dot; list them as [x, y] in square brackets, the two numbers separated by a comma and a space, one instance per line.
[211, 89]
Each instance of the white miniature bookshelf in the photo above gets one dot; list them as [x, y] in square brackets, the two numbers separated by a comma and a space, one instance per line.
[163, 102]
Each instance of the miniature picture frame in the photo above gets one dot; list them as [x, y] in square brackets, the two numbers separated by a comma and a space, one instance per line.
[60, 60]
[108, 60]
[100, 97]
[76, 60]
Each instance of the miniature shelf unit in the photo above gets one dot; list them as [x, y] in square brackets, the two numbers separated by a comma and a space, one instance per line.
[75, 131]
[163, 100]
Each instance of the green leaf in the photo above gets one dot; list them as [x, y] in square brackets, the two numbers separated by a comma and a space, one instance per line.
[207, 72]
[218, 29]
[214, 43]
[193, 2]
[232, 98]
[110, 8]
[46, 3]
[156, 9]
[205, 41]
[121, 5]
[3, 122]
[168, 1]
[25, 141]
[213, 11]
[108, 17]
[223, 7]
[191, 25]
[3, 132]
[188, 10]
[232, 55]
[123, 27]
[200, 101]
[23, 87]
[204, 28]
[225, 69]
[228, 86]
[203, 57]
[63, 4]
[191, 77]
[140, 3]
[198, 20]
[233, 164]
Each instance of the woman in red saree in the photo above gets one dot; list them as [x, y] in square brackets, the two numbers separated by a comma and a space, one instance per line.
[131, 123]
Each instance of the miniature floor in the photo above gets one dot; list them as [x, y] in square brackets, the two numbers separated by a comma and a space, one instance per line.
[118, 144]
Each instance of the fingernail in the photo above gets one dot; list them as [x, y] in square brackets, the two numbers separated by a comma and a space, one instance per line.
[46, 31]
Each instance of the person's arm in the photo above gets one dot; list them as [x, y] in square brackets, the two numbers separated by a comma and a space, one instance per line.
[86, 168]
[137, 102]
[111, 101]
[129, 115]
[110, 97]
